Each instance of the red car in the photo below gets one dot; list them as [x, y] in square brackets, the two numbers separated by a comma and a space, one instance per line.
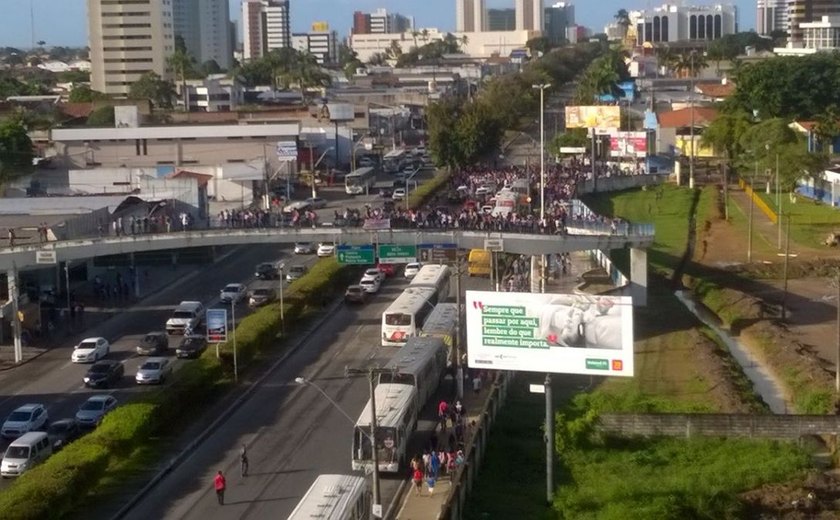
[387, 269]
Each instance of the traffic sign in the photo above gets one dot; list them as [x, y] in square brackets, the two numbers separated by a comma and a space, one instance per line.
[397, 254]
[357, 255]
[45, 257]
[494, 244]
[437, 253]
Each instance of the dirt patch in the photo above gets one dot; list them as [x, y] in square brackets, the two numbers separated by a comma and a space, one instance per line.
[816, 496]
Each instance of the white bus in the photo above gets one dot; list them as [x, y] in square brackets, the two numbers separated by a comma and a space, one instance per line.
[421, 363]
[359, 181]
[396, 418]
[394, 160]
[405, 317]
[435, 277]
[442, 323]
[335, 497]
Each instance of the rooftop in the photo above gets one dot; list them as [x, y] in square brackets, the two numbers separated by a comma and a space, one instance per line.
[682, 117]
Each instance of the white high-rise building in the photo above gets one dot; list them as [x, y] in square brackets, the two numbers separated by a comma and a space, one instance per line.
[772, 15]
[127, 40]
[321, 42]
[530, 15]
[672, 23]
[265, 27]
[470, 16]
[205, 27]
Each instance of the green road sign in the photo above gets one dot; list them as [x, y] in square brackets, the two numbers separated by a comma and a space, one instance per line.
[397, 254]
[361, 255]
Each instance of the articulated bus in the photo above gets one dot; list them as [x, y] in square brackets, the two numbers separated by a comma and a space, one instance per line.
[335, 497]
[405, 317]
[442, 323]
[396, 419]
[421, 363]
[359, 181]
[394, 160]
[435, 277]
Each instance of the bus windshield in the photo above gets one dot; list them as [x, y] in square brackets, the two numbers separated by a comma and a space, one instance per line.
[396, 319]
[396, 377]
[386, 444]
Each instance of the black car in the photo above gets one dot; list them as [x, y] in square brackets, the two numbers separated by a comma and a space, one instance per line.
[267, 271]
[104, 373]
[191, 347]
[153, 344]
[63, 432]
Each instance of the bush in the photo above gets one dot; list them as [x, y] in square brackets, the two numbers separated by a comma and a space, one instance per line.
[122, 428]
[426, 190]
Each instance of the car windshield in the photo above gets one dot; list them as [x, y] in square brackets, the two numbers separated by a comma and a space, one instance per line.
[264, 267]
[412, 266]
[17, 452]
[100, 368]
[261, 292]
[297, 269]
[302, 244]
[93, 405]
[150, 365]
[59, 427]
[20, 416]
[87, 344]
[232, 288]
[151, 338]
[192, 342]
[354, 289]
[372, 272]
[182, 315]
[366, 282]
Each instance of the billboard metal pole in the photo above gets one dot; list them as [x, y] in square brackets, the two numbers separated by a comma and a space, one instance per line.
[549, 441]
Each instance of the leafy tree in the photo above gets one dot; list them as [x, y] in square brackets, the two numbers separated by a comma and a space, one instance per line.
[10, 86]
[666, 57]
[84, 94]
[73, 76]
[154, 88]
[724, 135]
[574, 137]
[622, 19]
[101, 117]
[307, 73]
[827, 127]
[346, 55]
[442, 119]
[253, 73]
[182, 63]
[689, 64]
[394, 51]
[538, 45]
[15, 150]
[378, 59]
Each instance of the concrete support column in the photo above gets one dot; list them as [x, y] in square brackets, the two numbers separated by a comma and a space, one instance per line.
[678, 172]
[11, 276]
[638, 276]
[535, 274]
[136, 274]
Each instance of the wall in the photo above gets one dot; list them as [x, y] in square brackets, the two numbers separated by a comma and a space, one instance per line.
[623, 182]
[718, 425]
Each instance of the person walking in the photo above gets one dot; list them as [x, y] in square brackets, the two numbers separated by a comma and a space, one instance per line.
[417, 477]
[219, 483]
[243, 460]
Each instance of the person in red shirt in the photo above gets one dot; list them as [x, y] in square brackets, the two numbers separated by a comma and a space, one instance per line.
[219, 483]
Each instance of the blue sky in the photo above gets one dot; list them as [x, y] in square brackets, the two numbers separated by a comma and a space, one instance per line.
[62, 22]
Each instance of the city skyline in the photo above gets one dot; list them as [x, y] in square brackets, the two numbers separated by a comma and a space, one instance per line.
[67, 19]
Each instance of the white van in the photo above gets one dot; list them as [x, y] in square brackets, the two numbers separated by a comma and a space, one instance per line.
[25, 452]
[187, 315]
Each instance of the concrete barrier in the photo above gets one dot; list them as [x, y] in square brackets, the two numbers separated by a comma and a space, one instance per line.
[621, 182]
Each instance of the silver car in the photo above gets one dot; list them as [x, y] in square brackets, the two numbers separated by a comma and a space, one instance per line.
[92, 411]
[153, 371]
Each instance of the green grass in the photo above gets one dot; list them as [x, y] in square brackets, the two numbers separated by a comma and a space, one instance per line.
[811, 221]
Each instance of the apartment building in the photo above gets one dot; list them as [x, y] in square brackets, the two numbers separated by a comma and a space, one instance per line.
[805, 11]
[320, 41]
[127, 39]
[771, 15]
[204, 26]
[265, 27]
[529, 15]
[470, 16]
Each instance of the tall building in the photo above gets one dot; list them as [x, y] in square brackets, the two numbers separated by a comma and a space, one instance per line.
[671, 23]
[361, 23]
[383, 22]
[265, 27]
[501, 19]
[127, 40]
[558, 18]
[771, 15]
[804, 11]
[529, 15]
[204, 26]
[320, 42]
[470, 16]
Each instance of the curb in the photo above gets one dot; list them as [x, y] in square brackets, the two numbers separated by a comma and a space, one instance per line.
[223, 416]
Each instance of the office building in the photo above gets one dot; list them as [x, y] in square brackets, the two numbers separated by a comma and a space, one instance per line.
[265, 27]
[673, 23]
[771, 15]
[361, 23]
[470, 16]
[320, 42]
[126, 41]
[804, 11]
[529, 15]
[383, 22]
[558, 18]
[204, 25]
[501, 19]
[479, 44]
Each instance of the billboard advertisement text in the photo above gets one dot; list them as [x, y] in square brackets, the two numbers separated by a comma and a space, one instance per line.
[598, 116]
[217, 325]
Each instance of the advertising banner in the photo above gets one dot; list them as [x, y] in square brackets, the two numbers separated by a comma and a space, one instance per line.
[376, 224]
[559, 333]
[217, 325]
[628, 144]
[598, 116]
[287, 150]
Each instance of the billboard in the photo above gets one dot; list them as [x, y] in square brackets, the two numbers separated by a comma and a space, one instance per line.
[599, 116]
[628, 144]
[560, 333]
[217, 325]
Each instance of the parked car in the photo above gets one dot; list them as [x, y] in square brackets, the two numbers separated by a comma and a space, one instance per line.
[371, 285]
[355, 294]
[233, 293]
[191, 347]
[373, 273]
[26, 418]
[399, 194]
[261, 296]
[153, 344]
[295, 272]
[326, 249]
[387, 270]
[153, 372]
[92, 411]
[24, 453]
[267, 271]
[304, 248]
[104, 374]
[316, 202]
[63, 432]
[412, 269]
[90, 350]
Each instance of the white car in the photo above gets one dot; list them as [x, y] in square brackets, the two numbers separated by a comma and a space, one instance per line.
[153, 372]
[483, 190]
[233, 292]
[399, 194]
[374, 273]
[27, 418]
[90, 350]
[300, 205]
[326, 249]
[371, 285]
[412, 269]
[303, 248]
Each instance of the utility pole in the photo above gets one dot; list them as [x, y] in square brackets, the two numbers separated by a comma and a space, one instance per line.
[787, 256]
[778, 203]
[691, 103]
[266, 199]
[549, 441]
[233, 326]
[749, 226]
[459, 369]
[837, 364]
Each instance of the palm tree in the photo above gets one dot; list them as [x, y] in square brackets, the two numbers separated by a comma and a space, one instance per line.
[394, 51]
[690, 63]
[425, 34]
[622, 19]
[378, 59]
[181, 63]
[464, 40]
[308, 73]
[414, 35]
[666, 57]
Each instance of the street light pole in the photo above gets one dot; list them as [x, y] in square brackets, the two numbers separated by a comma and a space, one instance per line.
[282, 317]
[233, 326]
[787, 256]
[691, 102]
[542, 87]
